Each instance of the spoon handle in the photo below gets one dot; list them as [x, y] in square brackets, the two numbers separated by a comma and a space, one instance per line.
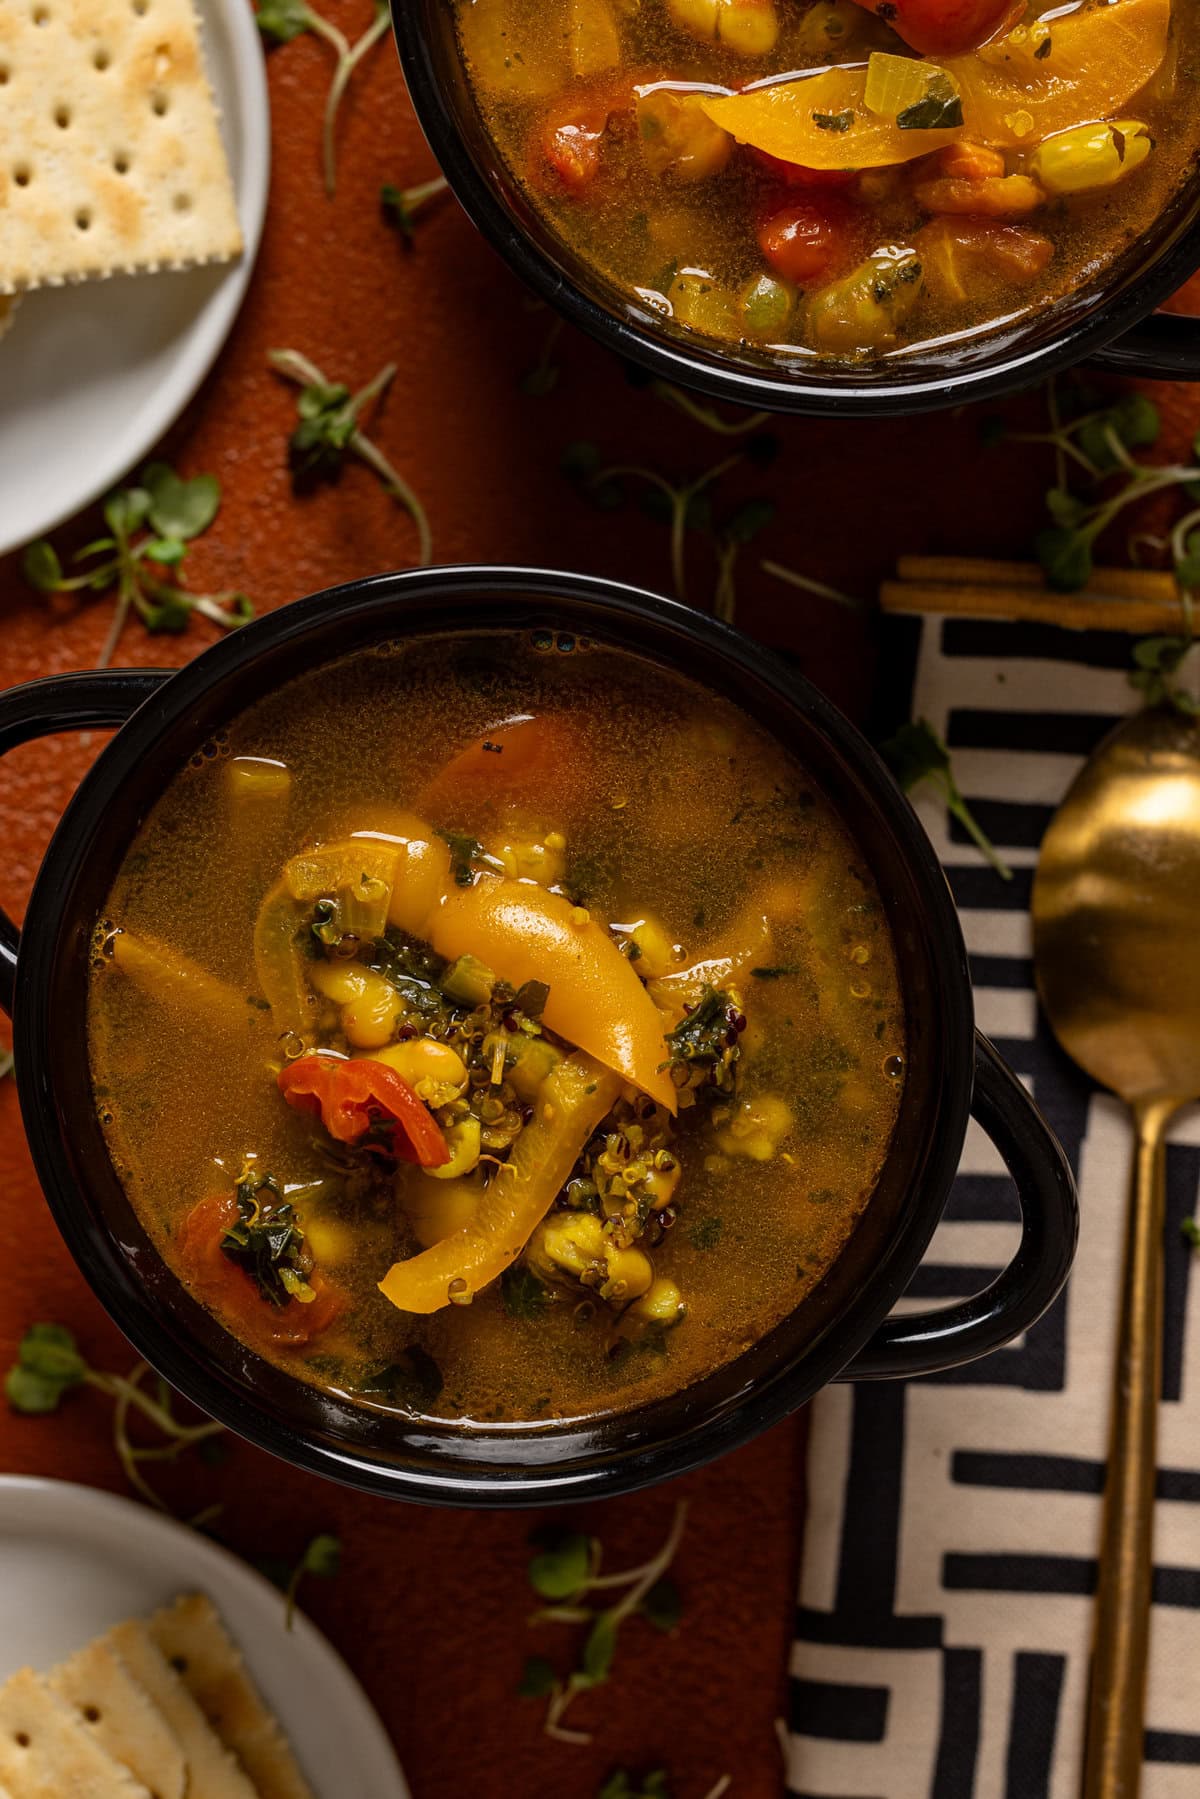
[1112, 1766]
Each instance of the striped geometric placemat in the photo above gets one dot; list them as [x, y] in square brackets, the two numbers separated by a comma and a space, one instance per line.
[944, 1612]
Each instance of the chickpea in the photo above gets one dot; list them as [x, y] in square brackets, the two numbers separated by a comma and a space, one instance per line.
[464, 1141]
[340, 981]
[630, 1272]
[1090, 156]
[765, 306]
[651, 949]
[433, 1070]
[757, 1128]
[331, 1241]
[747, 27]
[661, 1303]
[437, 1211]
[677, 137]
[859, 315]
[700, 302]
[369, 1019]
[568, 1243]
[528, 859]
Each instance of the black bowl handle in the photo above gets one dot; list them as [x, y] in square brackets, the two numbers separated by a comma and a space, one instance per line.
[928, 1342]
[89, 700]
[1163, 347]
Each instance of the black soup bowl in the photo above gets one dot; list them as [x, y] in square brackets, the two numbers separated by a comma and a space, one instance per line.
[1109, 319]
[842, 1329]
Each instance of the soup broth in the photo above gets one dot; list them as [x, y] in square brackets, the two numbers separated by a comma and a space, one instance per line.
[522, 977]
[793, 175]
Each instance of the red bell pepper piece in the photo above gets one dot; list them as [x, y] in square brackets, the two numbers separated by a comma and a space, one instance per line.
[349, 1097]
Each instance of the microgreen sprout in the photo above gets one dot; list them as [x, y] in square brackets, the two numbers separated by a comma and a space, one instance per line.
[149, 528]
[683, 505]
[708, 416]
[566, 1571]
[915, 754]
[329, 429]
[1096, 446]
[49, 1366]
[402, 206]
[542, 378]
[280, 21]
[322, 1557]
[807, 584]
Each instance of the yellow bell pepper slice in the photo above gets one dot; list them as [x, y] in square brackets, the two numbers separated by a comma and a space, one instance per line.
[822, 122]
[174, 980]
[1014, 91]
[596, 1000]
[574, 1098]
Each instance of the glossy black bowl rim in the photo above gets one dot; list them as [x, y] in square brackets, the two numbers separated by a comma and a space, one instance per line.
[788, 391]
[578, 601]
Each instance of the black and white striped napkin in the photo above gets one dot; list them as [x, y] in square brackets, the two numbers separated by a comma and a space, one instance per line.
[942, 1632]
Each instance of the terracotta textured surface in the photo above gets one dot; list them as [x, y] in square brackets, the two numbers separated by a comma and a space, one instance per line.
[431, 1606]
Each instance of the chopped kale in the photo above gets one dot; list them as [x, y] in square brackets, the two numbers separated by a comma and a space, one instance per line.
[267, 1242]
[704, 1046]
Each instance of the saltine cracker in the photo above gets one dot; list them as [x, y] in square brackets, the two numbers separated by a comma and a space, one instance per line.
[110, 153]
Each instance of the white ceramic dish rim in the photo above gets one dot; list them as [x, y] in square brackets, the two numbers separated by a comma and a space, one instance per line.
[249, 105]
[47, 1509]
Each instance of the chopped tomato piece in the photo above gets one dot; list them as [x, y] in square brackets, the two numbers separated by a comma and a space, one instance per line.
[350, 1097]
[957, 255]
[794, 174]
[231, 1293]
[995, 197]
[943, 27]
[969, 162]
[806, 241]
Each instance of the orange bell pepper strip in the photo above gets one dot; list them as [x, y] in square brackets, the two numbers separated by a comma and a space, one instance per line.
[573, 1099]
[231, 1294]
[521, 762]
[350, 1097]
[596, 1001]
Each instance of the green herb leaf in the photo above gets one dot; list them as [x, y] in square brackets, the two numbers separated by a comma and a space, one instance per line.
[126, 510]
[323, 1557]
[916, 753]
[562, 1566]
[833, 121]
[537, 1678]
[413, 1380]
[531, 998]
[599, 1649]
[749, 519]
[662, 1604]
[267, 1242]
[706, 1233]
[42, 568]
[48, 1365]
[777, 972]
[1190, 1231]
[1066, 558]
[521, 1291]
[934, 111]
[282, 20]
[178, 508]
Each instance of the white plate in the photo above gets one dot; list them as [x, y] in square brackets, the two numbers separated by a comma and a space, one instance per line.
[74, 1561]
[92, 374]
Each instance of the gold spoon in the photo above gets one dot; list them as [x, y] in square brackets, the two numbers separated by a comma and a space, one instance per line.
[1116, 943]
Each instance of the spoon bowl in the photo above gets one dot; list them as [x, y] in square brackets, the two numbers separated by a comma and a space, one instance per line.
[1115, 908]
[1117, 956]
